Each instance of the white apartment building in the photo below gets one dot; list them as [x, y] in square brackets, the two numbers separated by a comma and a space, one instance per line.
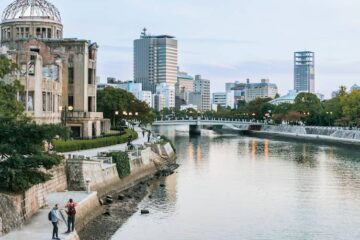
[224, 99]
[264, 89]
[202, 87]
[168, 91]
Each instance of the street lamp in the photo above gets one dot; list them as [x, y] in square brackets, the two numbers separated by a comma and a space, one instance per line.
[65, 109]
[329, 115]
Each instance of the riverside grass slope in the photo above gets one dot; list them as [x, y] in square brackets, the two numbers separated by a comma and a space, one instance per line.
[77, 145]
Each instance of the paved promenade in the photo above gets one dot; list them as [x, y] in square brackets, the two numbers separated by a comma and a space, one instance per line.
[120, 147]
[39, 227]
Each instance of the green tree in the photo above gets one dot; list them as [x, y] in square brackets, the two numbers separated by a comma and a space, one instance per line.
[111, 101]
[259, 107]
[351, 106]
[310, 108]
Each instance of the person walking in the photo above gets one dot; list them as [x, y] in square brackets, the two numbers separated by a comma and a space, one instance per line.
[71, 212]
[149, 136]
[143, 133]
[55, 219]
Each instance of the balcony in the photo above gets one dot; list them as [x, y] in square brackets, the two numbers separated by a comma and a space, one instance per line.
[84, 115]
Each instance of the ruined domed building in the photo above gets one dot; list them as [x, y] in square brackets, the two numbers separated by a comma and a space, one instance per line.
[59, 74]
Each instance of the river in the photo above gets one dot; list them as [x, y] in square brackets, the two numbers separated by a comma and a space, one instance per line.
[232, 187]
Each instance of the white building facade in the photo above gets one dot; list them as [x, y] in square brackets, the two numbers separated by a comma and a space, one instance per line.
[264, 89]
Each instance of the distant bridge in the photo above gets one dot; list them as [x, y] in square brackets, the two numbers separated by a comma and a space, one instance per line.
[196, 123]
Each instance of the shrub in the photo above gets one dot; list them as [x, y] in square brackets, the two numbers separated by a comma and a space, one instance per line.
[76, 145]
[122, 162]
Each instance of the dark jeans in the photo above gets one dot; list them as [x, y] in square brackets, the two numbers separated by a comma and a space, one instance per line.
[71, 223]
[55, 230]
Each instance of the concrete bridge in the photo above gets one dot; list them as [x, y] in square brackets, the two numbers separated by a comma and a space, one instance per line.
[196, 123]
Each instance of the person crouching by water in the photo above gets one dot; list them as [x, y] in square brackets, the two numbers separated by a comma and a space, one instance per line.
[55, 219]
[71, 212]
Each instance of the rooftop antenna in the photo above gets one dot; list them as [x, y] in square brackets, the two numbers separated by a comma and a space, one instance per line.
[143, 34]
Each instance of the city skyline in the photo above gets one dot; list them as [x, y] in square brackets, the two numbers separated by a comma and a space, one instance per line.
[244, 39]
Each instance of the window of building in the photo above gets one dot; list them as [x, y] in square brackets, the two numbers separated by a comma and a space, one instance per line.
[71, 101]
[49, 33]
[38, 32]
[71, 75]
[44, 101]
[90, 104]
[91, 76]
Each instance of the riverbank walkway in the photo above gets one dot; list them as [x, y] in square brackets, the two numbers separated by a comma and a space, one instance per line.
[119, 147]
[39, 227]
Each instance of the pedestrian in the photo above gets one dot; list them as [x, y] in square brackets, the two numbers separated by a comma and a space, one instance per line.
[71, 212]
[129, 140]
[149, 136]
[51, 147]
[54, 217]
[143, 132]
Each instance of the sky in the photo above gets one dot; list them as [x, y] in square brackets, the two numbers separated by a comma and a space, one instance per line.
[228, 40]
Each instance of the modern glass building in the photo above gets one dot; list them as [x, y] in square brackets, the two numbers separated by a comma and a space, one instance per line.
[304, 71]
[155, 60]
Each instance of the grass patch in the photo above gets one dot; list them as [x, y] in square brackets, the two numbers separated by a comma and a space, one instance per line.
[77, 145]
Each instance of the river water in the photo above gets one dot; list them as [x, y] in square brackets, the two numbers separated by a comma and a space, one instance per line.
[232, 187]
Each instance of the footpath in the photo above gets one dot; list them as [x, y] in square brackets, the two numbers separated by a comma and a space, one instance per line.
[120, 147]
[40, 228]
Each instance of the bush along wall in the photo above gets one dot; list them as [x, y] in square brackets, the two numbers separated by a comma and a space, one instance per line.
[76, 145]
[122, 161]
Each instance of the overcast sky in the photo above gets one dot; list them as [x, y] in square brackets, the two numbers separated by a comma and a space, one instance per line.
[226, 40]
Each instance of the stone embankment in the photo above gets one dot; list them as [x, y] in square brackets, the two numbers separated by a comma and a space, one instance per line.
[78, 175]
[318, 134]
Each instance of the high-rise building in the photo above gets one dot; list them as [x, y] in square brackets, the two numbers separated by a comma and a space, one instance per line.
[202, 87]
[58, 74]
[304, 71]
[155, 60]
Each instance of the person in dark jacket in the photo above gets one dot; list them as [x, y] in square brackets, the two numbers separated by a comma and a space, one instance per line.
[71, 212]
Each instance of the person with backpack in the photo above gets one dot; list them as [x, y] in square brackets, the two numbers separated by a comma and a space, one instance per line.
[71, 212]
[54, 218]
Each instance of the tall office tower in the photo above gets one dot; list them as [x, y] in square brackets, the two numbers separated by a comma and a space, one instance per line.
[155, 60]
[304, 71]
[202, 87]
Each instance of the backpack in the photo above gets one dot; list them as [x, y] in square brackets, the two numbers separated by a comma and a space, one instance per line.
[71, 210]
[49, 216]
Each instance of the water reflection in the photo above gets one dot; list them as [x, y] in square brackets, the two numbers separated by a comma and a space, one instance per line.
[233, 187]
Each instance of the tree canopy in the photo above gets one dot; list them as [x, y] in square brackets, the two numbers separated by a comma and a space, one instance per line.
[112, 100]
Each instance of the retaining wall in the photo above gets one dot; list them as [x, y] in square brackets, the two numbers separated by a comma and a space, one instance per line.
[17, 208]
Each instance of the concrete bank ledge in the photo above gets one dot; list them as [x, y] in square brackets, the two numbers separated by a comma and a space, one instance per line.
[309, 137]
[39, 227]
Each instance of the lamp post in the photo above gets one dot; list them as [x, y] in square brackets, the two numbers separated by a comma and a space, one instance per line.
[114, 120]
[65, 109]
[329, 114]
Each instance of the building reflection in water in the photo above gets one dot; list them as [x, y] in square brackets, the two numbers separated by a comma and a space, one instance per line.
[253, 149]
[266, 149]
